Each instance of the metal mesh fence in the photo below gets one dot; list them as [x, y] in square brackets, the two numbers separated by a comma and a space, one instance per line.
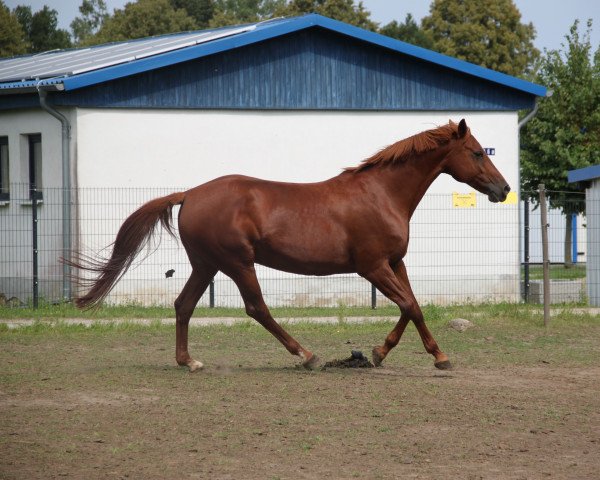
[459, 252]
[567, 247]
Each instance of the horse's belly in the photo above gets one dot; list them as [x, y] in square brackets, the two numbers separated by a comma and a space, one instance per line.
[306, 258]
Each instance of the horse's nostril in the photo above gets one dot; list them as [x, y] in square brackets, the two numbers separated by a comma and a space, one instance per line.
[506, 189]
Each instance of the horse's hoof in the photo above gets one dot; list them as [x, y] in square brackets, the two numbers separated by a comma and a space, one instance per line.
[312, 363]
[377, 357]
[195, 365]
[443, 365]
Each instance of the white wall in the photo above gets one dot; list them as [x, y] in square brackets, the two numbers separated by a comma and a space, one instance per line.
[475, 252]
[15, 214]
[186, 148]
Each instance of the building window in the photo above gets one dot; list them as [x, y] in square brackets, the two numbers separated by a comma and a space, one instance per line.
[35, 164]
[4, 179]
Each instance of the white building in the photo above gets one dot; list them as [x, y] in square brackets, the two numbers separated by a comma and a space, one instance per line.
[291, 99]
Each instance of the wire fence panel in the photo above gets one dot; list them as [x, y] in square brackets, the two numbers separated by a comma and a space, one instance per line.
[17, 245]
[100, 215]
[459, 252]
[557, 220]
[463, 254]
[16, 250]
[567, 248]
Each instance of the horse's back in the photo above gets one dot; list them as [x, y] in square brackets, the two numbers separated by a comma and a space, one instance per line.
[289, 226]
[240, 191]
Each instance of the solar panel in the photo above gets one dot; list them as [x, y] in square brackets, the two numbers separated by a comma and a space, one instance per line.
[72, 62]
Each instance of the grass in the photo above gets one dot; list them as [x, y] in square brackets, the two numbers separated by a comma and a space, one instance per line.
[67, 310]
[500, 328]
[431, 312]
[557, 272]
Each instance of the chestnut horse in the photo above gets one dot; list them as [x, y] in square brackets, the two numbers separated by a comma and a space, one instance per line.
[357, 222]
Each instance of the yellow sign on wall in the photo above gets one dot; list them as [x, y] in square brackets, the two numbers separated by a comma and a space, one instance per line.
[469, 200]
[511, 198]
[464, 200]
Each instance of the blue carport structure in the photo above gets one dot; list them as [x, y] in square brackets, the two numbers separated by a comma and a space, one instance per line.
[590, 177]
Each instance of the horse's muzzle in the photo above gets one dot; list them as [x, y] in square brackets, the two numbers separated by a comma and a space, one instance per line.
[497, 192]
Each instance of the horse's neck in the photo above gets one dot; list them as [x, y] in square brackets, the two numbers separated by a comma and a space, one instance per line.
[408, 181]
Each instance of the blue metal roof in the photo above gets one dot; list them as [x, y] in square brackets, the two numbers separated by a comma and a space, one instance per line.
[71, 62]
[248, 35]
[584, 174]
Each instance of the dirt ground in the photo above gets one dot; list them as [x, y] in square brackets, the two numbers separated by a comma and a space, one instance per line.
[109, 403]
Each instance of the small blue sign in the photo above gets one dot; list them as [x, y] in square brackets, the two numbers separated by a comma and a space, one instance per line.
[490, 151]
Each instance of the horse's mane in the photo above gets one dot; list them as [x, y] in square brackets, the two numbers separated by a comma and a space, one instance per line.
[417, 144]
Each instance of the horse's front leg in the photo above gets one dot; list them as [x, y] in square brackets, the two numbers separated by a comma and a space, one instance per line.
[380, 352]
[394, 284]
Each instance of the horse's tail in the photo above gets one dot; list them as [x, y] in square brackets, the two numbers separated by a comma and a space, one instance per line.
[133, 236]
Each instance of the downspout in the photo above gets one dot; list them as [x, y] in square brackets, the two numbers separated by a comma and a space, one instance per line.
[522, 123]
[66, 190]
[530, 115]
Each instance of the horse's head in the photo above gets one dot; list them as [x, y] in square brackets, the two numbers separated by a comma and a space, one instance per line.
[467, 162]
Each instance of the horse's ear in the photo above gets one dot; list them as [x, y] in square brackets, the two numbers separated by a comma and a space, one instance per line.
[462, 128]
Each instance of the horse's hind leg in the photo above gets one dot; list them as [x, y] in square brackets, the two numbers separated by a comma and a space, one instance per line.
[184, 307]
[246, 281]
[394, 285]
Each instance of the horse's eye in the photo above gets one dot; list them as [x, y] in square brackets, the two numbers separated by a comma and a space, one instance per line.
[478, 155]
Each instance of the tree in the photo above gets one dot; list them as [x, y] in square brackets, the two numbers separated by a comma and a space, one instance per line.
[144, 18]
[343, 10]
[484, 32]
[235, 12]
[12, 37]
[24, 15]
[200, 10]
[408, 32]
[41, 29]
[565, 133]
[93, 16]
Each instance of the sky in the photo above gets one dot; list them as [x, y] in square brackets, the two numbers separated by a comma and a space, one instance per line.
[551, 18]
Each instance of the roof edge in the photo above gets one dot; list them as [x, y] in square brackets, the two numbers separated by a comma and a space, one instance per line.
[584, 174]
[13, 88]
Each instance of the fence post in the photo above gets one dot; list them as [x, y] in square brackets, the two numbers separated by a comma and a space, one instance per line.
[211, 294]
[34, 244]
[373, 297]
[574, 239]
[545, 259]
[526, 249]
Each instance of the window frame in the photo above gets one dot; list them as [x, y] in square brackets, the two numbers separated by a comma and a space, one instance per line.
[4, 169]
[35, 165]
